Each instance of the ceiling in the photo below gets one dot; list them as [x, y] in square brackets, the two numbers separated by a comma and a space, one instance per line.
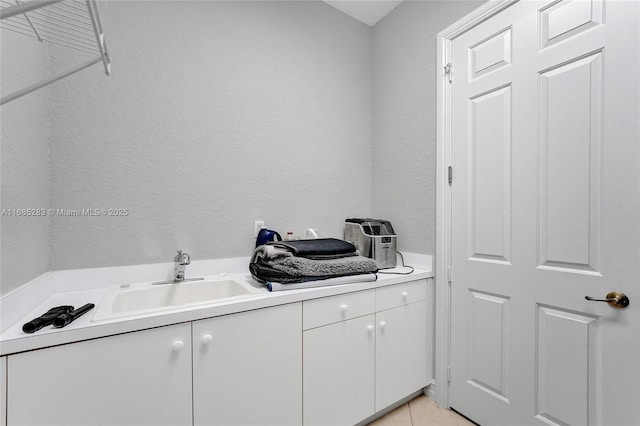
[367, 11]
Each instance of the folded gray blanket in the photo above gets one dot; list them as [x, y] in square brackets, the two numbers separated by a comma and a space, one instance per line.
[302, 267]
[279, 265]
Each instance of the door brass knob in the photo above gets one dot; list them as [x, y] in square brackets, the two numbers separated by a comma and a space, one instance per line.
[615, 299]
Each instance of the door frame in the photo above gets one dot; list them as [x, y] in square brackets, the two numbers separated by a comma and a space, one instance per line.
[443, 190]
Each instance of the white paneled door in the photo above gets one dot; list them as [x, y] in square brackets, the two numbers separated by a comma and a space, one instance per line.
[545, 202]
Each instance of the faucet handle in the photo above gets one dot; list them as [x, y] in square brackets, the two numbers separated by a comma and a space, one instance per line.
[182, 258]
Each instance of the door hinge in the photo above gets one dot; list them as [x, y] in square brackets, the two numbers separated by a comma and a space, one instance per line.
[450, 175]
[448, 373]
[448, 71]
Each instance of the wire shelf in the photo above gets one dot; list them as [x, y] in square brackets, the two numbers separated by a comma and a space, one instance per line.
[71, 23]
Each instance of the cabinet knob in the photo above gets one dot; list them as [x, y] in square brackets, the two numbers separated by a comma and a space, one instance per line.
[177, 346]
[206, 339]
[370, 327]
[344, 307]
[383, 324]
[405, 294]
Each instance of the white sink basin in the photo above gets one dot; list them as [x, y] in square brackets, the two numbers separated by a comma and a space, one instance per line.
[127, 300]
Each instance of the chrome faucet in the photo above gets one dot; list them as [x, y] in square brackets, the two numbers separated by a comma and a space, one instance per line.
[181, 260]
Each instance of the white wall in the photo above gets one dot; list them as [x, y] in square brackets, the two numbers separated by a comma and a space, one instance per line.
[24, 153]
[404, 117]
[217, 114]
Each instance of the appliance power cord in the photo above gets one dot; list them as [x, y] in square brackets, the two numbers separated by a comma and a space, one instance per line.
[403, 265]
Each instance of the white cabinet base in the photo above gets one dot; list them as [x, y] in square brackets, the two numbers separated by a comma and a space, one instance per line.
[338, 372]
[141, 378]
[329, 361]
[401, 353]
[368, 351]
[247, 368]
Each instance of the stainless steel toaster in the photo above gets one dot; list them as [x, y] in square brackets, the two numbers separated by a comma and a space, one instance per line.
[373, 238]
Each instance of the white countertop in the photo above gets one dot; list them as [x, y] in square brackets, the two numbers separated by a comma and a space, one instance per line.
[14, 340]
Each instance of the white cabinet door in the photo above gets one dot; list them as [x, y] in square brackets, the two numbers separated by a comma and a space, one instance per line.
[401, 353]
[141, 378]
[338, 372]
[247, 368]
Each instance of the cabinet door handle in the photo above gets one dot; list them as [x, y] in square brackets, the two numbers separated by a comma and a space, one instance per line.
[370, 328]
[344, 307]
[383, 324]
[405, 294]
[177, 346]
[206, 339]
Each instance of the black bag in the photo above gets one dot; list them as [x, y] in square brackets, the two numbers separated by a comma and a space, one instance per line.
[321, 248]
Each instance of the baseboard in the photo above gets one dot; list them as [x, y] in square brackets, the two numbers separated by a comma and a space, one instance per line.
[430, 391]
[392, 407]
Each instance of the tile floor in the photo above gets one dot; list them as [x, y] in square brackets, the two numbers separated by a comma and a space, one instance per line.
[421, 411]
